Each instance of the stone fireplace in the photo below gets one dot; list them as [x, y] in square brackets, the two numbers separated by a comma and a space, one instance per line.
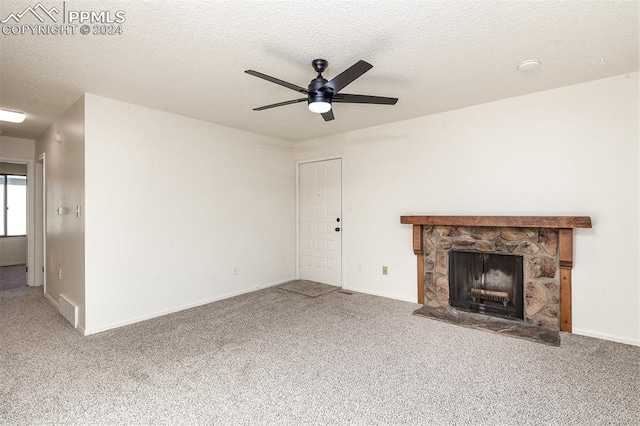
[506, 274]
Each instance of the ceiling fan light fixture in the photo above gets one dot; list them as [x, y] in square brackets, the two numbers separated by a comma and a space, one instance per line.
[319, 107]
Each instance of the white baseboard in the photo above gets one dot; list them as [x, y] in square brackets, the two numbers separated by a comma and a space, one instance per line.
[140, 318]
[606, 336]
[81, 330]
[381, 294]
[275, 283]
[13, 264]
[50, 299]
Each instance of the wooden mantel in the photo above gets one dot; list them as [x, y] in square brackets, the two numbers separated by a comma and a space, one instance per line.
[564, 224]
[559, 222]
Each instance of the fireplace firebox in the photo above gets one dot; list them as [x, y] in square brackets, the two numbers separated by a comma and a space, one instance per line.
[486, 283]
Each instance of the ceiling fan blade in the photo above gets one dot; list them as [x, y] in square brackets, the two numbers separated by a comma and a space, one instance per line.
[328, 116]
[295, 101]
[277, 81]
[363, 99]
[340, 81]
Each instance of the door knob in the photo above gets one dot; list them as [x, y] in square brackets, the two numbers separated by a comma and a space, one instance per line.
[337, 229]
[338, 219]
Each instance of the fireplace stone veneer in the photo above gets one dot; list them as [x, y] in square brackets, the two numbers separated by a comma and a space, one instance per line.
[545, 243]
[537, 246]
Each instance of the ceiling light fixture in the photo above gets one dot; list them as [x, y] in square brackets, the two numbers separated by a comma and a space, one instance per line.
[319, 101]
[529, 65]
[319, 107]
[12, 116]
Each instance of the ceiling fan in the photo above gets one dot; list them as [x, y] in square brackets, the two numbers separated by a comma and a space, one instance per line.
[320, 93]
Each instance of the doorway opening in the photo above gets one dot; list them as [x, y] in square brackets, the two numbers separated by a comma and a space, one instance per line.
[16, 223]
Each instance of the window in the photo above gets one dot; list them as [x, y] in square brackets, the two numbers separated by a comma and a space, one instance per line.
[13, 205]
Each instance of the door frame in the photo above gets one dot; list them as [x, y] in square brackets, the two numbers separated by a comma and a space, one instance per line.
[41, 228]
[317, 160]
[30, 213]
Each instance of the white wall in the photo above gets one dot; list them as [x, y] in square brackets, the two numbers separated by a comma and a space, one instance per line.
[16, 148]
[64, 175]
[15, 250]
[569, 151]
[173, 204]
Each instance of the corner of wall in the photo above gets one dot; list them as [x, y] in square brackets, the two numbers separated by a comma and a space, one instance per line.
[64, 196]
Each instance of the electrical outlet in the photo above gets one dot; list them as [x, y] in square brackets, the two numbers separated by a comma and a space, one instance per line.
[385, 270]
[234, 270]
[60, 273]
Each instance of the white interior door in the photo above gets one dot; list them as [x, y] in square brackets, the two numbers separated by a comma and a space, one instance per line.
[320, 226]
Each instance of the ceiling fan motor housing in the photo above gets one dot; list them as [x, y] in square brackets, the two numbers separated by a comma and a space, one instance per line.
[315, 94]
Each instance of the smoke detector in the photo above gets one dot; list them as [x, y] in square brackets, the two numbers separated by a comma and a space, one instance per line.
[529, 65]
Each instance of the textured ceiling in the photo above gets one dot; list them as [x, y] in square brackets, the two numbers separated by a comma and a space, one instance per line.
[188, 57]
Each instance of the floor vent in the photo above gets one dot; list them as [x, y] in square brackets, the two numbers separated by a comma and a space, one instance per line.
[68, 309]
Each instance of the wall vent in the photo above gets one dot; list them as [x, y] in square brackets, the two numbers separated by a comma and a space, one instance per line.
[68, 309]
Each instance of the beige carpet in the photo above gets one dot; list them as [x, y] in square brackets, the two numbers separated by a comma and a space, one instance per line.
[13, 277]
[273, 357]
[308, 288]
